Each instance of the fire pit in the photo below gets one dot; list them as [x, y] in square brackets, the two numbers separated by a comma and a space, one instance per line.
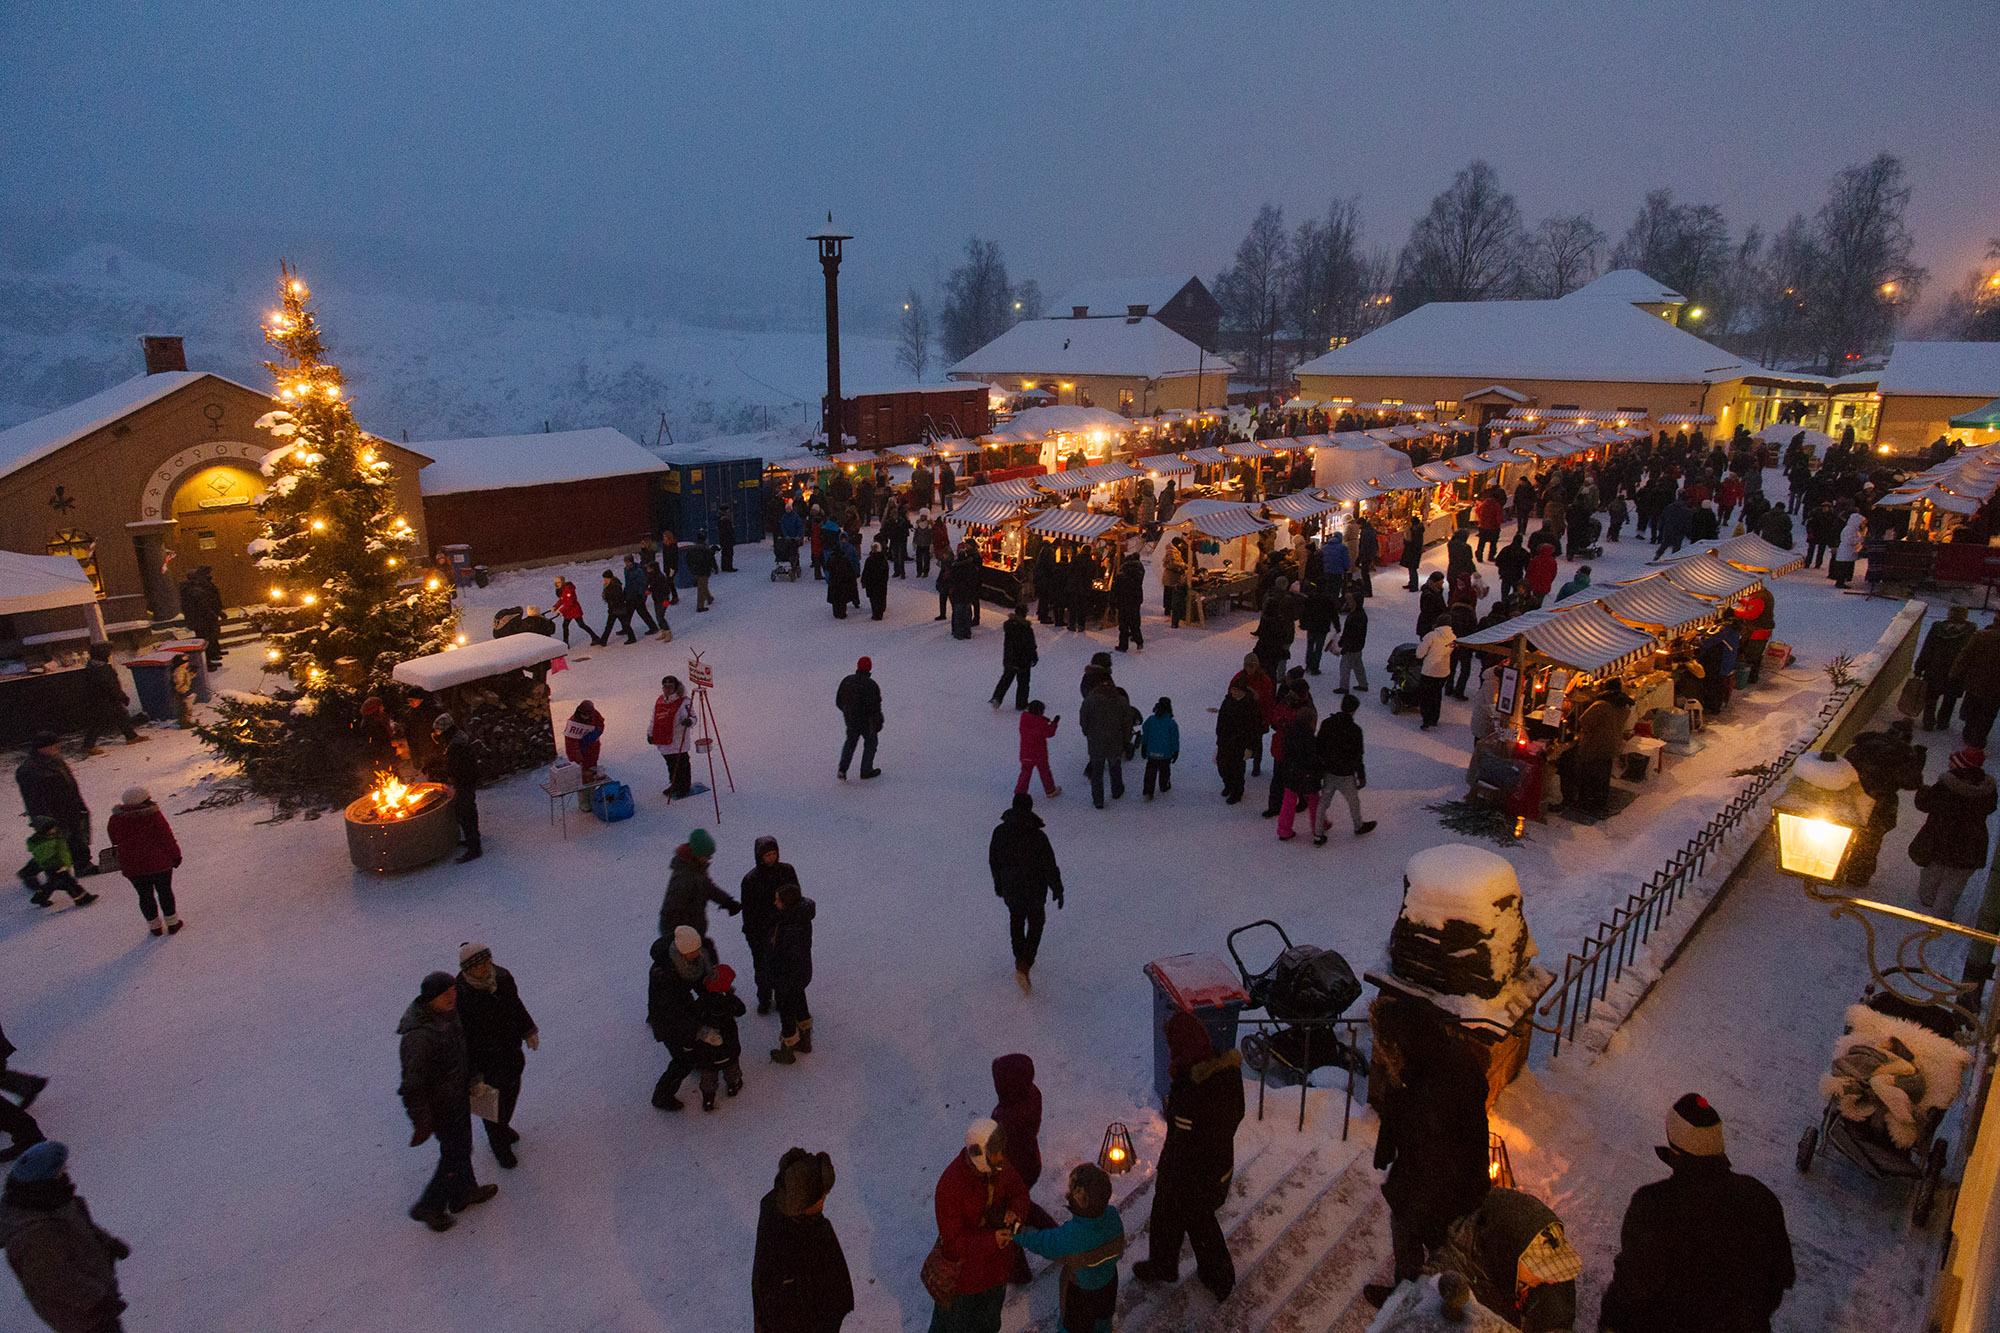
[397, 826]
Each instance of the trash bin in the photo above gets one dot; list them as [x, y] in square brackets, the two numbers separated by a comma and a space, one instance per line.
[457, 560]
[162, 682]
[196, 653]
[1202, 984]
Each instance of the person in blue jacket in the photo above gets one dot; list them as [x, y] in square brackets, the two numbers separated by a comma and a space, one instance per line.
[1160, 739]
[1087, 1247]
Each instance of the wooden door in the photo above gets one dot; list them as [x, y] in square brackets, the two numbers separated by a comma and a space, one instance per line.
[216, 514]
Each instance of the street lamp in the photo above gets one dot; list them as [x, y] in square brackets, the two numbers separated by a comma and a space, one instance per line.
[1816, 819]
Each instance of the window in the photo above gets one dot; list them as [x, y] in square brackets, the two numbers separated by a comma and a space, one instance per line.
[1125, 401]
[1445, 404]
[78, 543]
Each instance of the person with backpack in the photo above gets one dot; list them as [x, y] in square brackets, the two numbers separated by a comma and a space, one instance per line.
[1160, 744]
[1025, 877]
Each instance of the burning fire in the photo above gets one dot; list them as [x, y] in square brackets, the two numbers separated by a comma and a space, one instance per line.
[392, 797]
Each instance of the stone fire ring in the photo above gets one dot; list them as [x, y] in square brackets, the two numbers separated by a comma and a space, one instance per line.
[385, 846]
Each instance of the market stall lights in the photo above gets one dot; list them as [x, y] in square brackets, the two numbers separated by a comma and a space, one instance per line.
[277, 594]
[310, 599]
[460, 639]
[273, 655]
[319, 525]
[432, 583]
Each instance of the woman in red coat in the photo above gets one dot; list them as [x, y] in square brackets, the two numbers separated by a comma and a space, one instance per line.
[571, 612]
[583, 738]
[147, 855]
[979, 1198]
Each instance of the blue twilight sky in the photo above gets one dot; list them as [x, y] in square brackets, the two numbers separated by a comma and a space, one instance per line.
[1090, 140]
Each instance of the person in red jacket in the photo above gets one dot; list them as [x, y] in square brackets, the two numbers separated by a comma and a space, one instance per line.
[147, 855]
[570, 610]
[980, 1200]
[1541, 574]
[1265, 691]
[1489, 516]
[1036, 728]
[583, 738]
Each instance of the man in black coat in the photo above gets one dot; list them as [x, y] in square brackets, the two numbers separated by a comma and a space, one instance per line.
[799, 1281]
[680, 965]
[48, 787]
[859, 700]
[1025, 876]
[725, 537]
[1203, 1108]
[1706, 1248]
[201, 608]
[875, 580]
[1413, 548]
[457, 762]
[436, 1086]
[1128, 594]
[496, 1026]
[792, 971]
[701, 564]
[110, 706]
[760, 912]
[1017, 658]
[617, 610]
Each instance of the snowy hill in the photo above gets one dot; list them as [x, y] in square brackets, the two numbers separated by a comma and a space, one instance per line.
[426, 367]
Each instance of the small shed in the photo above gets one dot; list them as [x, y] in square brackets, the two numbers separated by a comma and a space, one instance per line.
[706, 477]
[498, 691]
[525, 499]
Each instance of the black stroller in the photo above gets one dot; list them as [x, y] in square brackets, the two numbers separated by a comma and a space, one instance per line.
[1400, 692]
[1303, 985]
[785, 559]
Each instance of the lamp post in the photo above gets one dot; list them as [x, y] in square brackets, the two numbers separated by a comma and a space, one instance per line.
[1814, 825]
[829, 239]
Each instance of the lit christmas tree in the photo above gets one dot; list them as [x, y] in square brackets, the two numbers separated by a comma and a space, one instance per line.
[348, 597]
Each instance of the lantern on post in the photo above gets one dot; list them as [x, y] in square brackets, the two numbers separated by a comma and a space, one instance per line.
[1499, 1170]
[1817, 818]
[1114, 1158]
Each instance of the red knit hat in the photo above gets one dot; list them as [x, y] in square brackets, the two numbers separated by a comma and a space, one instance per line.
[864, 664]
[1188, 1042]
[1969, 760]
[721, 979]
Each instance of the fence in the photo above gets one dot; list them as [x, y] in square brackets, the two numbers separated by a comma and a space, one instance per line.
[1338, 1036]
[1613, 945]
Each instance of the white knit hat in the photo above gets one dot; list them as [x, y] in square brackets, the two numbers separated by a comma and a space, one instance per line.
[135, 796]
[982, 1138]
[1694, 1127]
[473, 952]
[687, 940]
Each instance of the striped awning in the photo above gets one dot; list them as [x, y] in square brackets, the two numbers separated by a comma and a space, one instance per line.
[1403, 481]
[1705, 576]
[1246, 449]
[1016, 490]
[1224, 524]
[1477, 463]
[1751, 554]
[1584, 637]
[1073, 524]
[1934, 495]
[1458, 428]
[1687, 419]
[910, 450]
[1301, 505]
[1205, 457]
[954, 448]
[1648, 602]
[1164, 464]
[856, 456]
[1086, 478]
[986, 513]
[1354, 492]
[1443, 471]
[798, 466]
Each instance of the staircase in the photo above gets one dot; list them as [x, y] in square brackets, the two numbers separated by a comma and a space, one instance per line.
[1306, 1226]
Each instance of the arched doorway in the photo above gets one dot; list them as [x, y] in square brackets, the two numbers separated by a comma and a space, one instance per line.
[215, 513]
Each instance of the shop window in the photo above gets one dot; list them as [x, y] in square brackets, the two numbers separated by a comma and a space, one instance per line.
[1125, 401]
[1445, 404]
[78, 543]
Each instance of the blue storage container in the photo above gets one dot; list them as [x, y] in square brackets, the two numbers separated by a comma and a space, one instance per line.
[611, 802]
[693, 493]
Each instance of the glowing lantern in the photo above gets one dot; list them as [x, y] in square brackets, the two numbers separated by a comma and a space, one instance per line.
[1115, 1157]
[1499, 1170]
[1817, 817]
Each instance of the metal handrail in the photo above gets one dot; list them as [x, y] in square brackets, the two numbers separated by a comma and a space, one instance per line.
[1592, 968]
[1354, 1027]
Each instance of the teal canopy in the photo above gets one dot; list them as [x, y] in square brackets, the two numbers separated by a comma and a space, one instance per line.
[1979, 418]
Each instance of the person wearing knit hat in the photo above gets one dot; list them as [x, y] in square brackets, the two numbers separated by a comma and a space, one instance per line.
[147, 857]
[859, 700]
[454, 759]
[436, 1090]
[760, 888]
[1706, 1247]
[682, 961]
[691, 889]
[1952, 842]
[497, 1025]
[67, 1264]
[1203, 1108]
[798, 1274]
[979, 1202]
[721, 1047]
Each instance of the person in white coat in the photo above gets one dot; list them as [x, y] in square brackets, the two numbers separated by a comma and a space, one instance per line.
[1848, 549]
[673, 726]
[1434, 652]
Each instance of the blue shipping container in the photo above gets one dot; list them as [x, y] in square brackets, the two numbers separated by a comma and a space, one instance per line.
[693, 494]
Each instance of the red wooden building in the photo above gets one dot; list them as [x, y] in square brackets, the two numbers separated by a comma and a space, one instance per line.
[524, 499]
[883, 417]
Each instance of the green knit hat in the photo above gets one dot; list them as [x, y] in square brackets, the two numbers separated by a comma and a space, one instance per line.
[701, 843]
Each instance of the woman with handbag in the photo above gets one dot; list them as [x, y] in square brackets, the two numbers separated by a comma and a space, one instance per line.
[980, 1203]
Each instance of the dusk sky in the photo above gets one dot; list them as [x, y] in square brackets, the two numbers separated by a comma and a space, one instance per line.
[1090, 141]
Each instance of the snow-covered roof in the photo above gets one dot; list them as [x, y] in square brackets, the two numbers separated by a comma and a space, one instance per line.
[31, 440]
[1943, 370]
[1498, 391]
[1144, 348]
[1534, 340]
[1628, 285]
[42, 583]
[1039, 423]
[761, 444]
[1117, 297]
[876, 390]
[476, 661]
[501, 462]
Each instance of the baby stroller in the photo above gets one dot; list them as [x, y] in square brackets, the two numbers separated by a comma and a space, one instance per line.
[1401, 691]
[1306, 985]
[1896, 1070]
[1586, 545]
[785, 565]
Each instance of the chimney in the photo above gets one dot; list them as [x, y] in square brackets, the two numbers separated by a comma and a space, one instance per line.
[163, 354]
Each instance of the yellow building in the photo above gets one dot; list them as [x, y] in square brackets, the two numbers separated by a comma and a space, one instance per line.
[1133, 365]
[1926, 384]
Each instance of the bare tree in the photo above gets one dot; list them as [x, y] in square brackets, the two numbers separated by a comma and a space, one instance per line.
[1774, 301]
[1973, 311]
[1563, 254]
[1323, 297]
[1685, 246]
[1467, 247]
[913, 336]
[1865, 278]
[1252, 292]
[977, 306]
[1028, 300]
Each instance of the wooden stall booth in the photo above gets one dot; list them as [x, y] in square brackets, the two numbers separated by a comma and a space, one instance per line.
[1225, 539]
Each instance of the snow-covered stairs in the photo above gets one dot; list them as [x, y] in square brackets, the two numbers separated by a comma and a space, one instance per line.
[1306, 1227]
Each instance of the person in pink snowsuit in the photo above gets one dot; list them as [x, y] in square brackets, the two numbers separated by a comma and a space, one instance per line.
[1036, 728]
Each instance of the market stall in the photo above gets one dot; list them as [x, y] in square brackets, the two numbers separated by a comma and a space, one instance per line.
[498, 692]
[1223, 537]
[993, 516]
[42, 683]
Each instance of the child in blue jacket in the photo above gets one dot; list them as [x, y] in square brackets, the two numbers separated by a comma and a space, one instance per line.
[1160, 738]
[1088, 1247]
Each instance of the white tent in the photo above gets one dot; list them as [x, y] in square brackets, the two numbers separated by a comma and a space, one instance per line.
[1355, 460]
[48, 583]
[1779, 433]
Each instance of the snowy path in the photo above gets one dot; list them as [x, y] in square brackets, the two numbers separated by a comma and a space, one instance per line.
[230, 1092]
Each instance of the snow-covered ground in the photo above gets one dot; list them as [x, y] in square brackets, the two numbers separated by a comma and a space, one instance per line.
[230, 1092]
